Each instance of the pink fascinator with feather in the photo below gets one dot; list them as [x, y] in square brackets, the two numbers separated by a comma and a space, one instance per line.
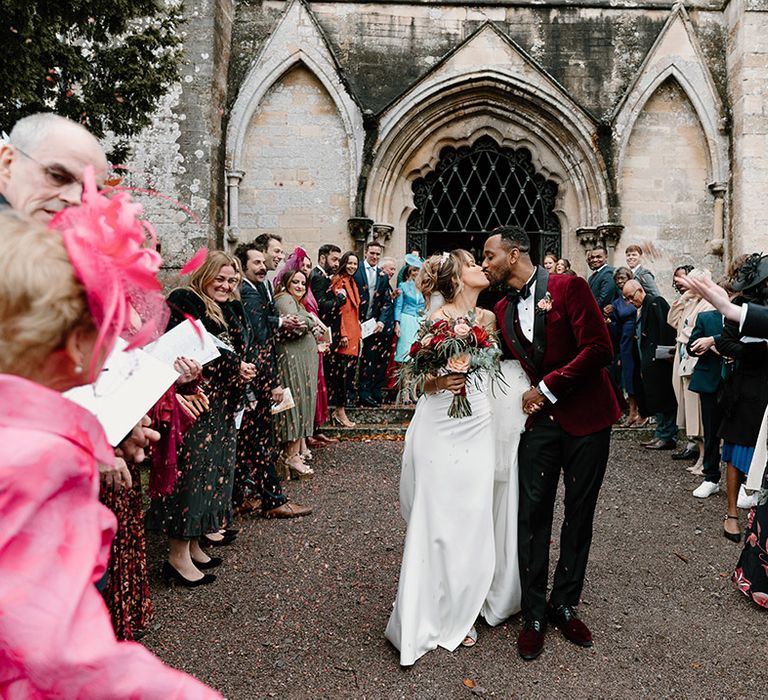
[293, 262]
[112, 252]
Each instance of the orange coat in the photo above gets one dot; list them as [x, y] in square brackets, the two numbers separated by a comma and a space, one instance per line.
[350, 319]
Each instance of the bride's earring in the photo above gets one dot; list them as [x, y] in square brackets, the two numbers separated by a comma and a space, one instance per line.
[78, 369]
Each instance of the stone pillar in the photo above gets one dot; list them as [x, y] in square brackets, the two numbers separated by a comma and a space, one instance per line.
[609, 234]
[234, 178]
[720, 243]
[359, 228]
[382, 233]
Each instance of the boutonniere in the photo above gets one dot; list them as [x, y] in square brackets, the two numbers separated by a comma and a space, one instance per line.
[545, 304]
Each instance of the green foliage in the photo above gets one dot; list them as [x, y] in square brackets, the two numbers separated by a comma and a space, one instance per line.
[105, 64]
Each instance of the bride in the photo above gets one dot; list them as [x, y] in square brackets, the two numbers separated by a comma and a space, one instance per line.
[458, 490]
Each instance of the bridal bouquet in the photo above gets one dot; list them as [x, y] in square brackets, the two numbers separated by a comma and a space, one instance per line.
[443, 346]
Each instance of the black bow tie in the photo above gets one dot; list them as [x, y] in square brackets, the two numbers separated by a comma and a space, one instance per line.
[515, 295]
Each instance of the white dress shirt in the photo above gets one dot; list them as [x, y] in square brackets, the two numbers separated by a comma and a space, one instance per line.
[526, 313]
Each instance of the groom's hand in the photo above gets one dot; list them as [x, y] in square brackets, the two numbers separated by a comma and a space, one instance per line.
[533, 401]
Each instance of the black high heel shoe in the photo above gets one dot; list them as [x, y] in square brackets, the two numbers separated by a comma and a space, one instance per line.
[212, 563]
[171, 575]
[227, 539]
[732, 536]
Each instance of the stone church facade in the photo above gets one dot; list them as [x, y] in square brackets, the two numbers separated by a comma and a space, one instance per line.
[432, 122]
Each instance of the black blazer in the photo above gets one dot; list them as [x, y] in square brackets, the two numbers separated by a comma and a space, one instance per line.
[745, 393]
[603, 287]
[655, 375]
[756, 322]
[380, 297]
[707, 374]
[264, 322]
[328, 302]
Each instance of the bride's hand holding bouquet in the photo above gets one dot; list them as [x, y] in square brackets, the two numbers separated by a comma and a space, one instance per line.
[451, 350]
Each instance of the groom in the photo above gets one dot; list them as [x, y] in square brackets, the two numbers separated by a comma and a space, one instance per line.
[552, 325]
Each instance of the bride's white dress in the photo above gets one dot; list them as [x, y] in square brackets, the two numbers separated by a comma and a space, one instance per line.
[458, 495]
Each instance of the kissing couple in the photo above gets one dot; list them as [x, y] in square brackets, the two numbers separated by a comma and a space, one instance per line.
[478, 493]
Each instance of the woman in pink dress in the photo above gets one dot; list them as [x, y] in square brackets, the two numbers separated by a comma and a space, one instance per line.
[65, 296]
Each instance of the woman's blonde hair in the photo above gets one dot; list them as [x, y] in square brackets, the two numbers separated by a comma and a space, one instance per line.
[442, 273]
[41, 301]
[206, 273]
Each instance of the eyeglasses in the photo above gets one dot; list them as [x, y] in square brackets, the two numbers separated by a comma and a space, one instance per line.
[55, 175]
[631, 296]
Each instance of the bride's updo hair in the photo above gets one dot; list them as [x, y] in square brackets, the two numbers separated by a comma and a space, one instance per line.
[442, 273]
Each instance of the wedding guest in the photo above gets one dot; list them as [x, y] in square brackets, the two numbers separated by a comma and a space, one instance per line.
[409, 310]
[706, 381]
[297, 360]
[622, 317]
[653, 375]
[682, 317]
[415, 254]
[257, 484]
[550, 263]
[200, 505]
[346, 338]
[634, 257]
[299, 260]
[56, 639]
[562, 266]
[745, 394]
[375, 299]
[601, 280]
[385, 379]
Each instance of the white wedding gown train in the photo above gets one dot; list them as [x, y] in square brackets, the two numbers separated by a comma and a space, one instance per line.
[458, 495]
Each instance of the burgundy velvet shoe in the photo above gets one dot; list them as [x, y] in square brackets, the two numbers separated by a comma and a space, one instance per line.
[565, 619]
[530, 641]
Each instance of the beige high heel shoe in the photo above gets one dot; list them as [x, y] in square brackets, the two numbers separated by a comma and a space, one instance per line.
[345, 424]
[298, 469]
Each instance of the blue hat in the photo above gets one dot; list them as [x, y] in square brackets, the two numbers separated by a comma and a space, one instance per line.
[413, 260]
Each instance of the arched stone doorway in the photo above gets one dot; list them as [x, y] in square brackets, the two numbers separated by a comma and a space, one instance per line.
[473, 190]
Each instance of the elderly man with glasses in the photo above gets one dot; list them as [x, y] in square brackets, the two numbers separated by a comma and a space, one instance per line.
[654, 352]
[42, 165]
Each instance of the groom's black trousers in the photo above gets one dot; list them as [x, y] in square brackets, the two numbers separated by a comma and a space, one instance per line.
[545, 450]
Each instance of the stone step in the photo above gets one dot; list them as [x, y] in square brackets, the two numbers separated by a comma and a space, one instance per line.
[385, 414]
[367, 431]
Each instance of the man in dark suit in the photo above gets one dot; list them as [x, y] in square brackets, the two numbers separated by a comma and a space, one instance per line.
[375, 300]
[553, 327]
[601, 282]
[654, 373]
[706, 381]
[255, 476]
[328, 302]
[634, 256]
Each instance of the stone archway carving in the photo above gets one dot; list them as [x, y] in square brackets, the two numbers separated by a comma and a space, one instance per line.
[297, 39]
[511, 99]
[676, 54]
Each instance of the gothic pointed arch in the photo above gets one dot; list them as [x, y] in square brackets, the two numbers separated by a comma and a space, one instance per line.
[489, 86]
[676, 54]
[297, 39]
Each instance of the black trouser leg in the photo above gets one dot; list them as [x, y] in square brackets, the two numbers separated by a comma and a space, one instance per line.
[584, 462]
[710, 419]
[539, 459]
[383, 350]
[368, 359]
[256, 453]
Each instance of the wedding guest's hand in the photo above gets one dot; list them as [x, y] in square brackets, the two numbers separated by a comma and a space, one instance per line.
[397, 328]
[194, 404]
[713, 293]
[608, 309]
[132, 448]
[701, 345]
[379, 327]
[277, 395]
[188, 369]
[343, 341]
[247, 371]
[115, 476]
[533, 401]
[292, 324]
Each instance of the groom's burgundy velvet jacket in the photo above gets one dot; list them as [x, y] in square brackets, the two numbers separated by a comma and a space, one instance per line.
[570, 351]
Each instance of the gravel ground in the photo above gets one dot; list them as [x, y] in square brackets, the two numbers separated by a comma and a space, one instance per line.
[300, 606]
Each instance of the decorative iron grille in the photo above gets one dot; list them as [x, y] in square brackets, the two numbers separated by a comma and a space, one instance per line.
[473, 190]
